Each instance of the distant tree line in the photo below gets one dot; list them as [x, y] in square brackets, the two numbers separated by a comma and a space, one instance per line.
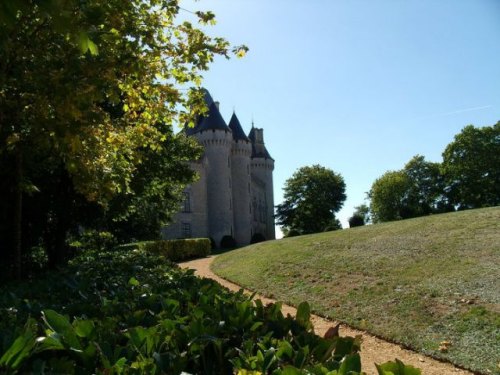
[468, 177]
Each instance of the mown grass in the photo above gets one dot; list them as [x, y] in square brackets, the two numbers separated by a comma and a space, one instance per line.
[418, 282]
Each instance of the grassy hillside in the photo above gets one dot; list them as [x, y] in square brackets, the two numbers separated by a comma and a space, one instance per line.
[418, 282]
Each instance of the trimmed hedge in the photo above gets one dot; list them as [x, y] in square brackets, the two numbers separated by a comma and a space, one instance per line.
[178, 250]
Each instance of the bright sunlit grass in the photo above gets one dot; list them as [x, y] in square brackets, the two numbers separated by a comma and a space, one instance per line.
[419, 281]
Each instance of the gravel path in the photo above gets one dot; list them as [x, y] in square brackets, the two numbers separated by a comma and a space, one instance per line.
[372, 350]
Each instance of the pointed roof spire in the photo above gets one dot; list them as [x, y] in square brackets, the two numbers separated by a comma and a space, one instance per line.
[211, 120]
[235, 126]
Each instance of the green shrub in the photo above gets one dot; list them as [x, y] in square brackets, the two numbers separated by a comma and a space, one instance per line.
[227, 242]
[293, 233]
[94, 240]
[128, 312]
[257, 237]
[356, 220]
[178, 250]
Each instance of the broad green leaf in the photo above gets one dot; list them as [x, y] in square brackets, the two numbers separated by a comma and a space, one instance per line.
[61, 325]
[304, 314]
[49, 343]
[397, 368]
[133, 281]
[92, 48]
[83, 328]
[83, 42]
[20, 348]
[350, 363]
[284, 348]
[138, 336]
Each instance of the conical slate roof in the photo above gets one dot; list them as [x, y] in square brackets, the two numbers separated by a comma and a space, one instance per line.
[211, 120]
[235, 126]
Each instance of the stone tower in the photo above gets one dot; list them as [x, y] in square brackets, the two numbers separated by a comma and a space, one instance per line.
[241, 152]
[262, 166]
[216, 138]
[234, 194]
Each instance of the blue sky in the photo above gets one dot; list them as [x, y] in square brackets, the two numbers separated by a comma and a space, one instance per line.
[357, 86]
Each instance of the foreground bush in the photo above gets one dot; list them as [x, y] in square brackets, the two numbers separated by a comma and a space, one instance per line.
[179, 250]
[131, 312]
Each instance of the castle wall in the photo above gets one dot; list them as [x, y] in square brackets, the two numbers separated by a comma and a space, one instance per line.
[263, 197]
[241, 188]
[217, 144]
[234, 195]
[192, 218]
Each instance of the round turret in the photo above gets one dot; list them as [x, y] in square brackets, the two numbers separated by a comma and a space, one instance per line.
[241, 152]
[262, 166]
[216, 138]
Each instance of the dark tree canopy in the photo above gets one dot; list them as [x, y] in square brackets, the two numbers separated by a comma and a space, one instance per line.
[471, 167]
[360, 216]
[89, 92]
[312, 196]
[356, 220]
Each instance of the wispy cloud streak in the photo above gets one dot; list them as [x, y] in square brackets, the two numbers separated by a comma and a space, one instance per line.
[463, 110]
[456, 112]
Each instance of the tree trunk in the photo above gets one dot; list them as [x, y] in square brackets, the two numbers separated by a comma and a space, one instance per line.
[18, 214]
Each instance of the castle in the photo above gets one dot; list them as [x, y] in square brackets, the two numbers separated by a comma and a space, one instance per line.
[234, 193]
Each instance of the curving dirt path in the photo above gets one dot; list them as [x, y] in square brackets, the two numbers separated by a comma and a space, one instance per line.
[372, 350]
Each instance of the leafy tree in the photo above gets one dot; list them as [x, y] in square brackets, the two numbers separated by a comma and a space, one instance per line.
[416, 190]
[155, 190]
[312, 197]
[334, 224]
[426, 192]
[83, 87]
[356, 220]
[388, 196]
[471, 166]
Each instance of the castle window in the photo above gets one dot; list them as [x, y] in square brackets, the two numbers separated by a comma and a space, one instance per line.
[186, 230]
[186, 204]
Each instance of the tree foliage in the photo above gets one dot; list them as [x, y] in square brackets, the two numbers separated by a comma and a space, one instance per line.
[416, 190]
[89, 92]
[471, 167]
[426, 191]
[360, 216]
[388, 196]
[312, 196]
[468, 177]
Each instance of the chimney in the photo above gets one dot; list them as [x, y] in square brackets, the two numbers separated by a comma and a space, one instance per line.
[217, 104]
[259, 135]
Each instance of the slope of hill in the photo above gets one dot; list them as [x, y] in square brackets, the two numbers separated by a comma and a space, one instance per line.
[431, 283]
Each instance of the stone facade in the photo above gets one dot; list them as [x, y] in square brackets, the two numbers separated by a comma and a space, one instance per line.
[234, 193]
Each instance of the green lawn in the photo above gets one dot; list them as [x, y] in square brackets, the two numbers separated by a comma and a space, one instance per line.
[418, 282]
